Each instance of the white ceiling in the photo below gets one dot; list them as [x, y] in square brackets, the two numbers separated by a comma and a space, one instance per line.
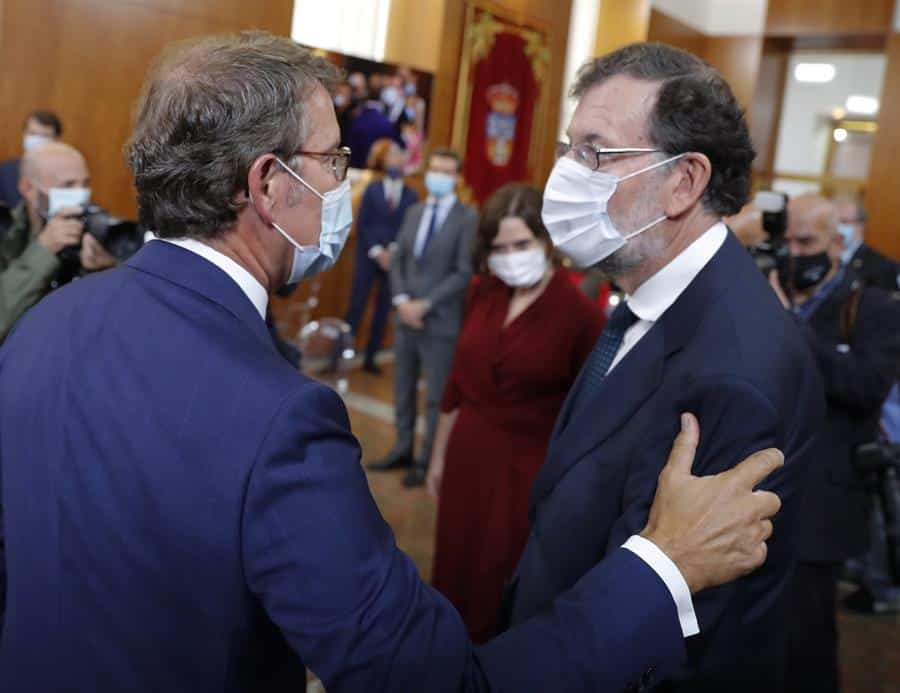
[717, 17]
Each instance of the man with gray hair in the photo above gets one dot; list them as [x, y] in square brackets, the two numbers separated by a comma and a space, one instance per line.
[658, 152]
[182, 511]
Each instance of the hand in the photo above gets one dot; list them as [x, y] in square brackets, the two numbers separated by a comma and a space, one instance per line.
[383, 259]
[775, 283]
[714, 528]
[62, 230]
[435, 476]
[94, 256]
[412, 313]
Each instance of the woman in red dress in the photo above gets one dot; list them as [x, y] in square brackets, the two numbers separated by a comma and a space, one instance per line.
[527, 332]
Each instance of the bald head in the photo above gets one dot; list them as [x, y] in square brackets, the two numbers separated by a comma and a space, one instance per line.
[54, 165]
[51, 165]
[812, 226]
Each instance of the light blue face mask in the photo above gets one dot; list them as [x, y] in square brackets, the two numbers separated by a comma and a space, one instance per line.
[337, 218]
[848, 233]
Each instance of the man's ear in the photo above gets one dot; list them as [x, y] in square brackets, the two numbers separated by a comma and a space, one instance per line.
[259, 186]
[688, 182]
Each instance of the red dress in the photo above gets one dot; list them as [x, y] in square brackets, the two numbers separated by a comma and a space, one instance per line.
[509, 384]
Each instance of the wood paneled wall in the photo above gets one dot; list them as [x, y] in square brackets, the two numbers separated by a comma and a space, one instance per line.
[621, 22]
[882, 200]
[737, 58]
[828, 17]
[86, 60]
[414, 33]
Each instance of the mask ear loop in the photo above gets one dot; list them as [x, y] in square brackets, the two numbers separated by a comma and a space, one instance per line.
[275, 225]
[644, 170]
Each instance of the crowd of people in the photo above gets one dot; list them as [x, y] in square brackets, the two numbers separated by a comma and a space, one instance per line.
[574, 542]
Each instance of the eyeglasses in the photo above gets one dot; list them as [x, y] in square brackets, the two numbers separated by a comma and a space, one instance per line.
[591, 156]
[338, 159]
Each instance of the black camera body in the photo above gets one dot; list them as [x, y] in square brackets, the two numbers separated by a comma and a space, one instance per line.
[121, 238]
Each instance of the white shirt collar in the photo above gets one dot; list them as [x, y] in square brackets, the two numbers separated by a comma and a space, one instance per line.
[445, 202]
[255, 291]
[656, 295]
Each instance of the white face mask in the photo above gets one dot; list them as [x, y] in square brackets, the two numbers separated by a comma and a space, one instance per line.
[32, 141]
[520, 269]
[60, 198]
[337, 218]
[575, 211]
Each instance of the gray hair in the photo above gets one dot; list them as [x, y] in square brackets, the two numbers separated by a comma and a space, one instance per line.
[208, 110]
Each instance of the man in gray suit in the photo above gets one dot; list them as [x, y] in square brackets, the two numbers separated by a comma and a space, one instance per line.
[430, 272]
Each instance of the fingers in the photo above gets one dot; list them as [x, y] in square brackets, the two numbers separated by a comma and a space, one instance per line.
[681, 459]
[752, 471]
[767, 504]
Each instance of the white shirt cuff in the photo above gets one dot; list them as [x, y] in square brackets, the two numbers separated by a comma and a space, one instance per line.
[400, 299]
[375, 251]
[668, 572]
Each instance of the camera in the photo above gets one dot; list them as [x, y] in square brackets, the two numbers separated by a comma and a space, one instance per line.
[772, 253]
[121, 238]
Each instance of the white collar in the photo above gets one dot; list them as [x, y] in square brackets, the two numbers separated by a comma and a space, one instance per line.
[444, 202]
[255, 291]
[656, 295]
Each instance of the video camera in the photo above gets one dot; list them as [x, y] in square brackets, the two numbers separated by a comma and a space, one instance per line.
[773, 206]
[121, 238]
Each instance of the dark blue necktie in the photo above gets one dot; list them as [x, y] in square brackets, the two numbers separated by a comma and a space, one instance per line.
[601, 358]
[432, 225]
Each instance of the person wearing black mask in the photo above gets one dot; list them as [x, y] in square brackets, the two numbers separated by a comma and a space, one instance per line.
[854, 332]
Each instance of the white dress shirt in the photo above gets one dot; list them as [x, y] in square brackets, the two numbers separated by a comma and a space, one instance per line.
[656, 295]
[247, 283]
[444, 205]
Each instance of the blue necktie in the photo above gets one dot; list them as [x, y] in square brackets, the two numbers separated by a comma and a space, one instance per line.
[430, 233]
[603, 354]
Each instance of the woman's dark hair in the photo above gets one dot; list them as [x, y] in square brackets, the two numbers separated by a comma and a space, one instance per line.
[512, 200]
[695, 111]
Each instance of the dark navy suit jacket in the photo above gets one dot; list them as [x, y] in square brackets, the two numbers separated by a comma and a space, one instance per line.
[182, 511]
[376, 222]
[727, 351]
[9, 183]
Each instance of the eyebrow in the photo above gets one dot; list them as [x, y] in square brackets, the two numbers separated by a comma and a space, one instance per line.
[592, 138]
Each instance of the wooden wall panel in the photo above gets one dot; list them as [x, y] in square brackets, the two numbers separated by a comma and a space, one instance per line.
[666, 29]
[826, 17]
[882, 200]
[621, 22]
[767, 105]
[737, 58]
[414, 33]
[89, 65]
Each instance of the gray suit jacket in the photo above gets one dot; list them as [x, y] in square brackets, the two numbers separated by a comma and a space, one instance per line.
[442, 275]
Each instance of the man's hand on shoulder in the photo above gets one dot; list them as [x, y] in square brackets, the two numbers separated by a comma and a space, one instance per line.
[714, 528]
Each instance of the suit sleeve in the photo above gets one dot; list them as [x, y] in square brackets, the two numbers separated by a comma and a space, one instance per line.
[736, 620]
[861, 376]
[405, 242]
[326, 569]
[364, 217]
[455, 283]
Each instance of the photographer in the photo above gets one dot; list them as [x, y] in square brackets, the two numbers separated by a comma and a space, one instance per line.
[864, 262]
[854, 333]
[53, 184]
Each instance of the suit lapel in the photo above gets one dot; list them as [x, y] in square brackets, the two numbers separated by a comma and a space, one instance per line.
[602, 412]
[640, 373]
[445, 233]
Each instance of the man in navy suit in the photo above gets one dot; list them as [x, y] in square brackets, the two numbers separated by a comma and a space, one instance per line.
[378, 221]
[182, 511]
[658, 152]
